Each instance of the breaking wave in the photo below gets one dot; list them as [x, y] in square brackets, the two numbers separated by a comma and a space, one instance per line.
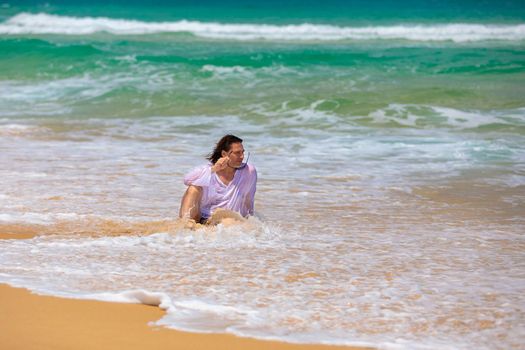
[28, 23]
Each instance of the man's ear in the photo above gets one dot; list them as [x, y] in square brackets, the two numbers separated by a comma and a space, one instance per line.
[224, 153]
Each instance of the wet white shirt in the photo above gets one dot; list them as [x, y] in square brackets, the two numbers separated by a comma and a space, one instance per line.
[237, 196]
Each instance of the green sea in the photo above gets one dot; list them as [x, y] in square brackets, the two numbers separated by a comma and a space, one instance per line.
[389, 139]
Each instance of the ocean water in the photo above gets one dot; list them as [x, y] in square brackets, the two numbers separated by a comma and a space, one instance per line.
[389, 139]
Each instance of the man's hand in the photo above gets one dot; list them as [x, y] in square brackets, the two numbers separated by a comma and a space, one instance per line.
[221, 164]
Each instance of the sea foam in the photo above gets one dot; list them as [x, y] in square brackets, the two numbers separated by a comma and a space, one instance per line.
[292, 291]
[28, 23]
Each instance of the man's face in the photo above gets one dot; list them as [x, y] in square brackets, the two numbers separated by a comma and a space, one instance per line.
[236, 154]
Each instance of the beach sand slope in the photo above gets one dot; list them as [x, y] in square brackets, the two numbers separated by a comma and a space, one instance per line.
[34, 322]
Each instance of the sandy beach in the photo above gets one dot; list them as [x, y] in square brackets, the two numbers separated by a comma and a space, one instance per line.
[30, 321]
[388, 144]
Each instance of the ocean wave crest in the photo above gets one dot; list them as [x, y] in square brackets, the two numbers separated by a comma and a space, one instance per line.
[28, 23]
[426, 116]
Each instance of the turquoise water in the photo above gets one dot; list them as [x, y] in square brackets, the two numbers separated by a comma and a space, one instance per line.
[389, 134]
[192, 69]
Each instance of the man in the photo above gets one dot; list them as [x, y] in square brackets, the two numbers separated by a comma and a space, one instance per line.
[226, 183]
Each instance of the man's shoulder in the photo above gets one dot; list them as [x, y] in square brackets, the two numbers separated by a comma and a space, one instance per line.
[251, 168]
[198, 171]
[201, 167]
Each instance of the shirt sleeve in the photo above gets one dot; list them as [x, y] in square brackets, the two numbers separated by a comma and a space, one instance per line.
[199, 176]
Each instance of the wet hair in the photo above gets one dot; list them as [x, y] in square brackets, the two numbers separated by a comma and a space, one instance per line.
[224, 144]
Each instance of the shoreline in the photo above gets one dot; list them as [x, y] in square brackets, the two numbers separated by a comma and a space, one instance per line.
[38, 322]
[35, 322]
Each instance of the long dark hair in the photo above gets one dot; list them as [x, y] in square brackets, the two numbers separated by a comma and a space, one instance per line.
[224, 144]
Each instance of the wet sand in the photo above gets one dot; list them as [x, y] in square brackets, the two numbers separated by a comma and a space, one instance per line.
[34, 322]
[18, 231]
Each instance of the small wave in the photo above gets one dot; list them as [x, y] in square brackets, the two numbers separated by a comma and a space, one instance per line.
[56, 97]
[226, 72]
[20, 129]
[424, 116]
[223, 70]
[36, 218]
[132, 296]
[27, 23]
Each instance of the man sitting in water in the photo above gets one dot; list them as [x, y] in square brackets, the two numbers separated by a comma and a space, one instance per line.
[223, 188]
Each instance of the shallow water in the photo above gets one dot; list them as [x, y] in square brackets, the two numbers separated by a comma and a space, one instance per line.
[387, 238]
[391, 170]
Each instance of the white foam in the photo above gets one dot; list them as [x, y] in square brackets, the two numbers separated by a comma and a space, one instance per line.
[28, 23]
[299, 117]
[85, 87]
[473, 119]
[20, 214]
[223, 70]
[133, 297]
[426, 116]
[37, 218]
[55, 96]
[294, 292]
[13, 129]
